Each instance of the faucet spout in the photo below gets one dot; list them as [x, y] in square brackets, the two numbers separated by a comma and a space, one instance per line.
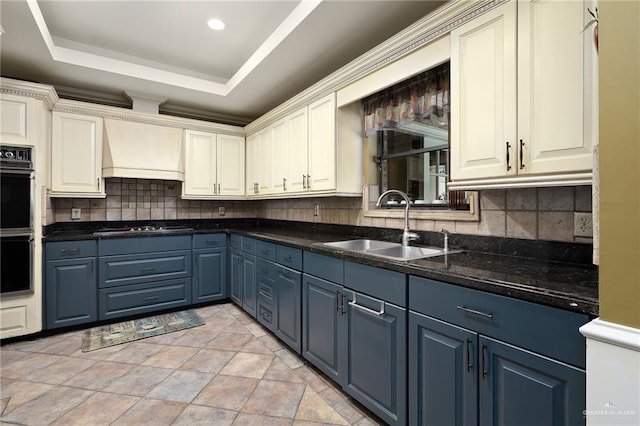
[446, 234]
[406, 234]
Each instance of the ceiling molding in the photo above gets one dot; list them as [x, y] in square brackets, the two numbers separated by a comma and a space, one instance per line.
[129, 69]
[32, 90]
[438, 23]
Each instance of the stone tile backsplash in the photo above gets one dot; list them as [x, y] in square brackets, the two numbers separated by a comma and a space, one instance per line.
[528, 213]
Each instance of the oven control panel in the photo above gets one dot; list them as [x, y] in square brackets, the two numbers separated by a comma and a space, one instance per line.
[15, 157]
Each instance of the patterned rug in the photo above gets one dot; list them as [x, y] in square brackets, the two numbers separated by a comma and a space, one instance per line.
[128, 331]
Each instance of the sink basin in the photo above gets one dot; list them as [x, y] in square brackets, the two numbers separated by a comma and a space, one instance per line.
[389, 250]
[407, 252]
[361, 245]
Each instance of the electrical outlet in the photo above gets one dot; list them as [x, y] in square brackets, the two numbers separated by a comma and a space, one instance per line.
[316, 210]
[582, 224]
[221, 210]
[76, 214]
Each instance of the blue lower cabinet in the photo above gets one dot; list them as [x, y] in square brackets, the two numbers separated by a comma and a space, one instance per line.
[288, 289]
[235, 276]
[518, 387]
[443, 373]
[323, 327]
[136, 299]
[71, 292]
[375, 353]
[249, 287]
[209, 275]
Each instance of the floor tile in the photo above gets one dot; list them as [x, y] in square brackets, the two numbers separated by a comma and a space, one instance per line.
[195, 338]
[293, 361]
[20, 392]
[61, 370]
[248, 419]
[313, 378]
[208, 361]
[248, 365]
[99, 375]
[136, 353]
[181, 386]
[28, 365]
[138, 381]
[314, 408]
[7, 356]
[256, 329]
[226, 392]
[229, 341]
[208, 311]
[273, 398]
[257, 347]
[171, 357]
[271, 342]
[102, 353]
[198, 415]
[99, 409]
[278, 370]
[151, 412]
[65, 346]
[47, 407]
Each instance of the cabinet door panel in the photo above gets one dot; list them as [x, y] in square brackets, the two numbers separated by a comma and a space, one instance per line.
[322, 326]
[252, 165]
[209, 275]
[288, 299]
[376, 358]
[279, 156]
[71, 292]
[235, 276]
[298, 148]
[249, 287]
[523, 388]
[483, 95]
[443, 373]
[200, 163]
[230, 165]
[322, 144]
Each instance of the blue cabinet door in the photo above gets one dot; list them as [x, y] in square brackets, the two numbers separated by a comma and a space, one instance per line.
[71, 292]
[323, 327]
[209, 275]
[235, 276]
[375, 353]
[249, 287]
[518, 387]
[443, 373]
[287, 305]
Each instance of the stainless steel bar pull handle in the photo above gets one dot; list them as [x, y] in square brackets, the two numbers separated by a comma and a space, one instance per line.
[469, 363]
[219, 190]
[70, 251]
[148, 269]
[304, 181]
[308, 181]
[284, 184]
[484, 361]
[475, 312]
[354, 303]
[521, 154]
[508, 156]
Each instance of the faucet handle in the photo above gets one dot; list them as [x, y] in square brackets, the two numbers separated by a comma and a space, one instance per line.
[445, 231]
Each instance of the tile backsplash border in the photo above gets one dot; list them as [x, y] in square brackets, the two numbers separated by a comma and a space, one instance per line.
[545, 214]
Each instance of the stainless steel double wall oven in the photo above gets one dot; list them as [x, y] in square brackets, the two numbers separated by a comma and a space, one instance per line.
[16, 219]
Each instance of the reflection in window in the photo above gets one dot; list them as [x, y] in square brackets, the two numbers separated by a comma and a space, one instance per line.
[409, 126]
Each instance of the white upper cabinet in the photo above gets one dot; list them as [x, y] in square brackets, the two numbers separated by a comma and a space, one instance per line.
[16, 119]
[279, 157]
[214, 165]
[258, 163]
[76, 156]
[252, 165]
[322, 144]
[298, 150]
[521, 112]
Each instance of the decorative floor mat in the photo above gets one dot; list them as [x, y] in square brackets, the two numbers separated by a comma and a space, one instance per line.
[128, 331]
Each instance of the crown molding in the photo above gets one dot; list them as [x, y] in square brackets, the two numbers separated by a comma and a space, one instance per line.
[433, 26]
[28, 89]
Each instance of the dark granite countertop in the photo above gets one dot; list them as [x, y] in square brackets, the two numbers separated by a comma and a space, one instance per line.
[564, 284]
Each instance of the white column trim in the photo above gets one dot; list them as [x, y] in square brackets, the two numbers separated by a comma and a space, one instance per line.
[612, 333]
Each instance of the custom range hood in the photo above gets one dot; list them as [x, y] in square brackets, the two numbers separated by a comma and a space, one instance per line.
[142, 151]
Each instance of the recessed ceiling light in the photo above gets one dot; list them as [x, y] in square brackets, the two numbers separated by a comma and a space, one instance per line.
[215, 24]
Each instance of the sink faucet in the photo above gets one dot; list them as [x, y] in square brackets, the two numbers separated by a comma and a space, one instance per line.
[406, 234]
[446, 239]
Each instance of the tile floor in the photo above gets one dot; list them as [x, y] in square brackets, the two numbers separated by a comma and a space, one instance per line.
[230, 371]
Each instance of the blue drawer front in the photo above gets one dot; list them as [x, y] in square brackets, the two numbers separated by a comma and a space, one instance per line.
[382, 283]
[136, 299]
[265, 315]
[266, 250]
[266, 268]
[329, 268]
[209, 241]
[137, 268]
[249, 245]
[119, 246]
[265, 289]
[71, 249]
[542, 329]
[235, 241]
[289, 257]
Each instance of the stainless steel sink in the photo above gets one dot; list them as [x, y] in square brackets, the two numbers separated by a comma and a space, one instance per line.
[393, 251]
[361, 245]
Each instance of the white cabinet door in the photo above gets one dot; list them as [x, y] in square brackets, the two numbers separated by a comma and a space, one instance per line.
[279, 156]
[230, 165]
[76, 155]
[17, 114]
[298, 149]
[265, 185]
[552, 54]
[200, 164]
[322, 144]
[483, 95]
[252, 165]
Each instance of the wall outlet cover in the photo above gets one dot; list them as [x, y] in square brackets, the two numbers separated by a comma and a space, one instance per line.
[221, 210]
[316, 210]
[583, 224]
[76, 214]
